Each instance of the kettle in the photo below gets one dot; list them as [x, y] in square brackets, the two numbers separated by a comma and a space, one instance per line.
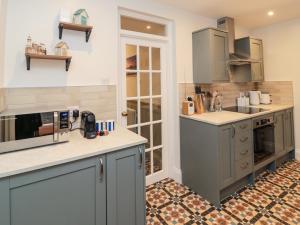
[255, 97]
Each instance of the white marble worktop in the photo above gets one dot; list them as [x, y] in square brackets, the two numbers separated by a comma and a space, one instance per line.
[225, 117]
[77, 148]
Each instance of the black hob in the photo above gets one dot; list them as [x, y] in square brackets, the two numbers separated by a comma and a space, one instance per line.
[245, 110]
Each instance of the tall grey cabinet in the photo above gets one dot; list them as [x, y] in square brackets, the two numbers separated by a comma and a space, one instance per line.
[126, 192]
[210, 55]
[252, 48]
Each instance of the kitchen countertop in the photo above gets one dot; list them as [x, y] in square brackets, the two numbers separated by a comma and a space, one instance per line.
[225, 117]
[77, 148]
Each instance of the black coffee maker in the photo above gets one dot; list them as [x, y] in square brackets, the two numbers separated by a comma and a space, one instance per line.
[88, 125]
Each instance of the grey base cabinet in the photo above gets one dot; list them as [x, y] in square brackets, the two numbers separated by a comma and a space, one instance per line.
[126, 192]
[78, 193]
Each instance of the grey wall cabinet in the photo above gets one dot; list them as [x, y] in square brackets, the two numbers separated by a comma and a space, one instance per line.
[210, 55]
[126, 187]
[280, 148]
[289, 139]
[87, 192]
[251, 48]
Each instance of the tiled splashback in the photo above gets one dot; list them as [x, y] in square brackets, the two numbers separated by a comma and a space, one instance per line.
[281, 91]
[101, 100]
[2, 104]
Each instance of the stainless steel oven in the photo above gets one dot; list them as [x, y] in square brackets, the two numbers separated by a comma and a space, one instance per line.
[27, 129]
[264, 138]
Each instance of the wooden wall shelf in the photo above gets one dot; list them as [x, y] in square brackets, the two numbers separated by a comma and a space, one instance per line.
[47, 57]
[76, 27]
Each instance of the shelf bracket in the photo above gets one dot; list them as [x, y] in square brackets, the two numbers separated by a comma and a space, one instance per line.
[28, 60]
[68, 62]
[87, 35]
[61, 28]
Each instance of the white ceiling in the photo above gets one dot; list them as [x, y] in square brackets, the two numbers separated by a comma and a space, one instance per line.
[249, 14]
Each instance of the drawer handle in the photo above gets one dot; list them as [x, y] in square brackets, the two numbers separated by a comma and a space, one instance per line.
[141, 157]
[244, 166]
[245, 152]
[101, 169]
[243, 126]
[233, 131]
[244, 140]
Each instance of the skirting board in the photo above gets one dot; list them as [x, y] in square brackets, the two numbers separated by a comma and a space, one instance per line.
[176, 174]
[298, 154]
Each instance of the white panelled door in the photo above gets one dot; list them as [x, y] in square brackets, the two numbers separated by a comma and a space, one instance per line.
[143, 79]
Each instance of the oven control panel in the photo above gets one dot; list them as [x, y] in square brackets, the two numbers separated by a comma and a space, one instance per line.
[265, 121]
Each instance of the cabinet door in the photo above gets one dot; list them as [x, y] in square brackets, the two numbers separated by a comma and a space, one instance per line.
[220, 54]
[73, 194]
[279, 133]
[4, 202]
[289, 130]
[226, 155]
[126, 187]
[256, 52]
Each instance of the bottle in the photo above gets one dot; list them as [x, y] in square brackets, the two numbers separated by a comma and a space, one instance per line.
[28, 48]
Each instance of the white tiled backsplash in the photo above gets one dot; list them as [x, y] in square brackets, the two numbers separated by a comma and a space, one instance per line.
[101, 100]
[281, 91]
[2, 103]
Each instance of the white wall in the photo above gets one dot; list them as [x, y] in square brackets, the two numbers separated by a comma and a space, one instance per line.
[282, 60]
[94, 62]
[2, 23]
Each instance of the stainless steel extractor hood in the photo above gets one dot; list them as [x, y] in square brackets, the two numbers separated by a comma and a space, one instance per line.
[227, 24]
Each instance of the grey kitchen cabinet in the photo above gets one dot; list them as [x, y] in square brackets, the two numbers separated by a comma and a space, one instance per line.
[86, 192]
[72, 194]
[251, 48]
[279, 118]
[289, 140]
[126, 187]
[210, 55]
[226, 156]
[222, 152]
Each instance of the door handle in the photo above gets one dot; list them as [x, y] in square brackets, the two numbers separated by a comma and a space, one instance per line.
[124, 113]
[141, 157]
[101, 169]
[233, 131]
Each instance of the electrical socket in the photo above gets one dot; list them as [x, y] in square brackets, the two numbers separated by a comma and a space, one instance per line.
[77, 123]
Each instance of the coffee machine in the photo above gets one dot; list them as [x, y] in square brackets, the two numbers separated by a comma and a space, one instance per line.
[88, 125]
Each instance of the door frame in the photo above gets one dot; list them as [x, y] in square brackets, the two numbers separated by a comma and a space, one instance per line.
[171, 158]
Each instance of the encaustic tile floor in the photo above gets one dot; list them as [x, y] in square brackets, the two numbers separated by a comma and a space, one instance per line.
[275, 199]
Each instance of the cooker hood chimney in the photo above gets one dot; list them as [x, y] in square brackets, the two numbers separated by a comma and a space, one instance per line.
[227, 24]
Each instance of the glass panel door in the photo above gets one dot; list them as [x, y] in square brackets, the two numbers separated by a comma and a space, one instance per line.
[142, 62]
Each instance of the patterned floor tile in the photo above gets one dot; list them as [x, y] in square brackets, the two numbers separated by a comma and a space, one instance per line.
[274, 200]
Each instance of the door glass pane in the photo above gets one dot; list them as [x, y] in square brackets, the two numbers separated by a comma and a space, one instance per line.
[155, 58]
[156, 107]
[145, 132]
[131, 58]
[157, 160]
[156, 84]
[145, 110]
[157, 134]
[145, 84]
[132, 111]
[137, 25]
[134, 129]
[131, 82]
[144, 58]
[148, 163]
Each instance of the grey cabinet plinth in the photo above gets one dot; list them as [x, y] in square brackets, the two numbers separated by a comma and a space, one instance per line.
[73, 194]
[126, 187]
[210, 54]
[289, 138]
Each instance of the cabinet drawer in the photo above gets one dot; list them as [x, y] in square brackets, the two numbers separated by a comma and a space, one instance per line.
[243, 126]
[243, 145]
[243, 167]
